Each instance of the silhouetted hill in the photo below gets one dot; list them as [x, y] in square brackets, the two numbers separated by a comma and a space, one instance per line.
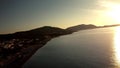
[17, 48]
[42, 32]
[81, 27]
[111, 25]
[36, 33]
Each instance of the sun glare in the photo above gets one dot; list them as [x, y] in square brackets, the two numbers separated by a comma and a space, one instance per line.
[113, 11]
[117, 45]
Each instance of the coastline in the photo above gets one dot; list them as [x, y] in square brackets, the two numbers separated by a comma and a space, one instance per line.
[17, 60]
[19, 63]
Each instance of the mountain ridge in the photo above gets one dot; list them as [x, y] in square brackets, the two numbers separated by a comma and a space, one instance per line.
[50, 31]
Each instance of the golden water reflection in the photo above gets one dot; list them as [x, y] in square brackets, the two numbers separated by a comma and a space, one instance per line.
[117, 45]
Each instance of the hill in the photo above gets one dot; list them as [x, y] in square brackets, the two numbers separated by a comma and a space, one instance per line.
[81, 27]
[36, 33]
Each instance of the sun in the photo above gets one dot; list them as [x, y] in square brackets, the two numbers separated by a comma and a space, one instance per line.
[113, 11]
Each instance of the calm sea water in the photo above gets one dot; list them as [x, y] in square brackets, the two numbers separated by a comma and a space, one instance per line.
[96, 48]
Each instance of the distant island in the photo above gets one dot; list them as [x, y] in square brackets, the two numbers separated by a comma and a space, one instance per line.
[17, 48]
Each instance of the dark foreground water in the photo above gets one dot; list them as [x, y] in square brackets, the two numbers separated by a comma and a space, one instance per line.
[96, 48]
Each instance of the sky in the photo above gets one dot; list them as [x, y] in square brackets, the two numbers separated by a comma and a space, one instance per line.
[20, 15]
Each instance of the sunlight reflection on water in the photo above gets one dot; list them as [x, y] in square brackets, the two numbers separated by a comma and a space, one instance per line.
[99, 48]
[117, 46]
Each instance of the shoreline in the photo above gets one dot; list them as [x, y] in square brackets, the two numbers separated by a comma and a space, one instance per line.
[20, 58]
[17, 60]
[21, 62]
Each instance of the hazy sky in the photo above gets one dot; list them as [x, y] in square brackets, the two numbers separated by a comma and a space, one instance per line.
[19, 15]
